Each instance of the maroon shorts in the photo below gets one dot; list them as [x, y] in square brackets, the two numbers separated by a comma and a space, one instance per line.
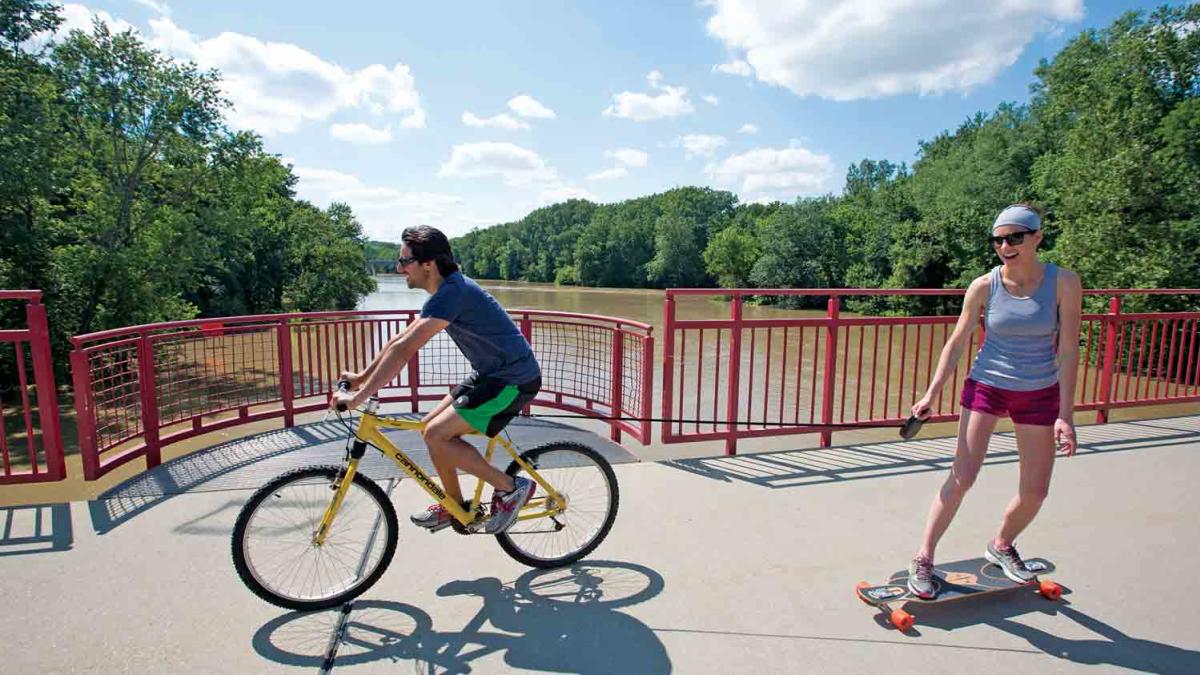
[1038, 407]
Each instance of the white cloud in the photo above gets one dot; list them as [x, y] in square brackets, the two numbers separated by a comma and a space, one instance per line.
[710, 99]
[160, 7]
[700, 145]
[277, 87]
[630, 157]
[360, 134]
[609, 174]
[735, 67]
[383, 211]
[78, 17]
[517, 166]
[748, 128]
[874, 48]
[672, 102]
[527, 106]
[779, 173]
[501, 121]
[562, 193]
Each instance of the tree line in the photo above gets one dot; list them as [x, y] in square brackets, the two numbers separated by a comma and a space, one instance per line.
[127, 200]
[1108, 146]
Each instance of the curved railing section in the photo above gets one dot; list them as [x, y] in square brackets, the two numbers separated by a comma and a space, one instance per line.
[141, 388]
[738, 377]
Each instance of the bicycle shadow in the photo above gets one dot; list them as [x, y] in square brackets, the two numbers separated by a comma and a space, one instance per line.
[562, 620]
[799, 468]
[1113, 646]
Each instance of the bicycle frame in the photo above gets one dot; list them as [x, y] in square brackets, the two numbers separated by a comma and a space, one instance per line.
[550, 503]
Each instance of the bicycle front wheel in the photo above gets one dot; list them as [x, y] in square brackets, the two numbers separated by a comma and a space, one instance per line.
[273, 548]
[587, 483]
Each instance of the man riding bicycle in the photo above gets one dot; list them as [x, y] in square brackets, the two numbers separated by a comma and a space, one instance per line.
[506, 375]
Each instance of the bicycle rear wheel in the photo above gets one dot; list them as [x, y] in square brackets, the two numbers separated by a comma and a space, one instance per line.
[273, 549]
[586, 480]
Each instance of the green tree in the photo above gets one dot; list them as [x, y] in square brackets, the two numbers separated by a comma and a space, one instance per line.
[807, 250]
[1119, 104]
[731, 254]
[126, 107]
[677, 253]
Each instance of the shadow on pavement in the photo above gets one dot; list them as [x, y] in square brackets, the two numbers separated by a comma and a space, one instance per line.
[562, 620]
[797, 468]
[1111, 646]
[248, 463]
[40, 528]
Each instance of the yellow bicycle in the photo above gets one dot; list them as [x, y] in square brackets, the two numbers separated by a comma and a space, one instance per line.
[319, 536]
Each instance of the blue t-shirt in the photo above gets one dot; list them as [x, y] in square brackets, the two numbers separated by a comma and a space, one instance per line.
[483, 331]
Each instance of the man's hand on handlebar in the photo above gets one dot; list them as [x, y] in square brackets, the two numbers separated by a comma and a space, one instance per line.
[343, 398]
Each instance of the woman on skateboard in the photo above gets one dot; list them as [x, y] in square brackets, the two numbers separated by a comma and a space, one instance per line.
[1025, 370]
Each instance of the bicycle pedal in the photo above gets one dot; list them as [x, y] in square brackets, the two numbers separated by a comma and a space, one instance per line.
[439, 528]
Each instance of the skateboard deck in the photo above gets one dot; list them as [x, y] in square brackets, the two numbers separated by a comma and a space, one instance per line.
[954, 581]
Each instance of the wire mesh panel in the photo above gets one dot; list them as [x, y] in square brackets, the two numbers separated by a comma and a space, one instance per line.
[199, 373]
[115, 393]
[144, 387]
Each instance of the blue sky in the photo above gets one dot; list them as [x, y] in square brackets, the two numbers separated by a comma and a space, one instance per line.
[464, 115]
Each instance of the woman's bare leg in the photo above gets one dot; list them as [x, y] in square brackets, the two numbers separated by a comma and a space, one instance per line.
[974, 431]
[1035, 446]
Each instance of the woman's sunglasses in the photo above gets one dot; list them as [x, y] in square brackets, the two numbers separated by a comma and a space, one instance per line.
[1014, 239]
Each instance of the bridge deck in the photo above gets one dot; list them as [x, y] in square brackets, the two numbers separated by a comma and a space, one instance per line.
[738, 564]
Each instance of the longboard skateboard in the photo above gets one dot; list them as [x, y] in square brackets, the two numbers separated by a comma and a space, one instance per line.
[953, 581]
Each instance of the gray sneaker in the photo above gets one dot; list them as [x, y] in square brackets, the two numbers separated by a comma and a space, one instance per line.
[920, 578]
[506, 505]
[433, 518]
[1010, 563]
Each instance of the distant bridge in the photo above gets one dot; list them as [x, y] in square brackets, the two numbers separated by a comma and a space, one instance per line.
[381, 265]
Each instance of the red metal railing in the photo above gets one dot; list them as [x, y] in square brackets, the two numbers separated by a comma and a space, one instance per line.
[37, 427]
[144, 387]
[727, 379]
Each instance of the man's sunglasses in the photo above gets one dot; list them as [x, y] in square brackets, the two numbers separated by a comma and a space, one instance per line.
[405, 261]
[1014, 239]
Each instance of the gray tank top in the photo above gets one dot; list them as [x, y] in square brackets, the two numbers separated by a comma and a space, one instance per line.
[1018, 349]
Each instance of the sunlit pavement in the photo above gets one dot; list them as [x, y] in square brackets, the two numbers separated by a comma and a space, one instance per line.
[724, 564]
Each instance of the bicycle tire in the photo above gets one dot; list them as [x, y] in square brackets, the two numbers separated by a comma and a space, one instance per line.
[252, 559]
[561, 464]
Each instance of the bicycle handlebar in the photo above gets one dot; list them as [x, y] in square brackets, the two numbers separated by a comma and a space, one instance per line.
[342, 385]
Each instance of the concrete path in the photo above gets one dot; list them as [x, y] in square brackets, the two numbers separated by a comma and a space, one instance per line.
[742, 564]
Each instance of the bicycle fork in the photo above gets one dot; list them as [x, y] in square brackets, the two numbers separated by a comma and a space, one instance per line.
[339, 494]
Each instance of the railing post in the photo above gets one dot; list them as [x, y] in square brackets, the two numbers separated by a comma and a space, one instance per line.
[831, 335]
[85, 413]
[527, 331]
[735, 375]
[618, 377]
[1113, 321]
[414, 377]
[647, 384]
[668, 367]
[47, 394]
[287, 386]
[148, 389]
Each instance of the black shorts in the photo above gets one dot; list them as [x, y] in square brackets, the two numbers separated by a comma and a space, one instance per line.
[488, 404]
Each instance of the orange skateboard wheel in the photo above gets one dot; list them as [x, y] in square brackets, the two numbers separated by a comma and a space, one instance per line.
[902, 619]
[1050, 590]
[861, 585]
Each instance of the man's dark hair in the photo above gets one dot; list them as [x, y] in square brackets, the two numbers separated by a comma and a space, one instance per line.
[428, 243]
